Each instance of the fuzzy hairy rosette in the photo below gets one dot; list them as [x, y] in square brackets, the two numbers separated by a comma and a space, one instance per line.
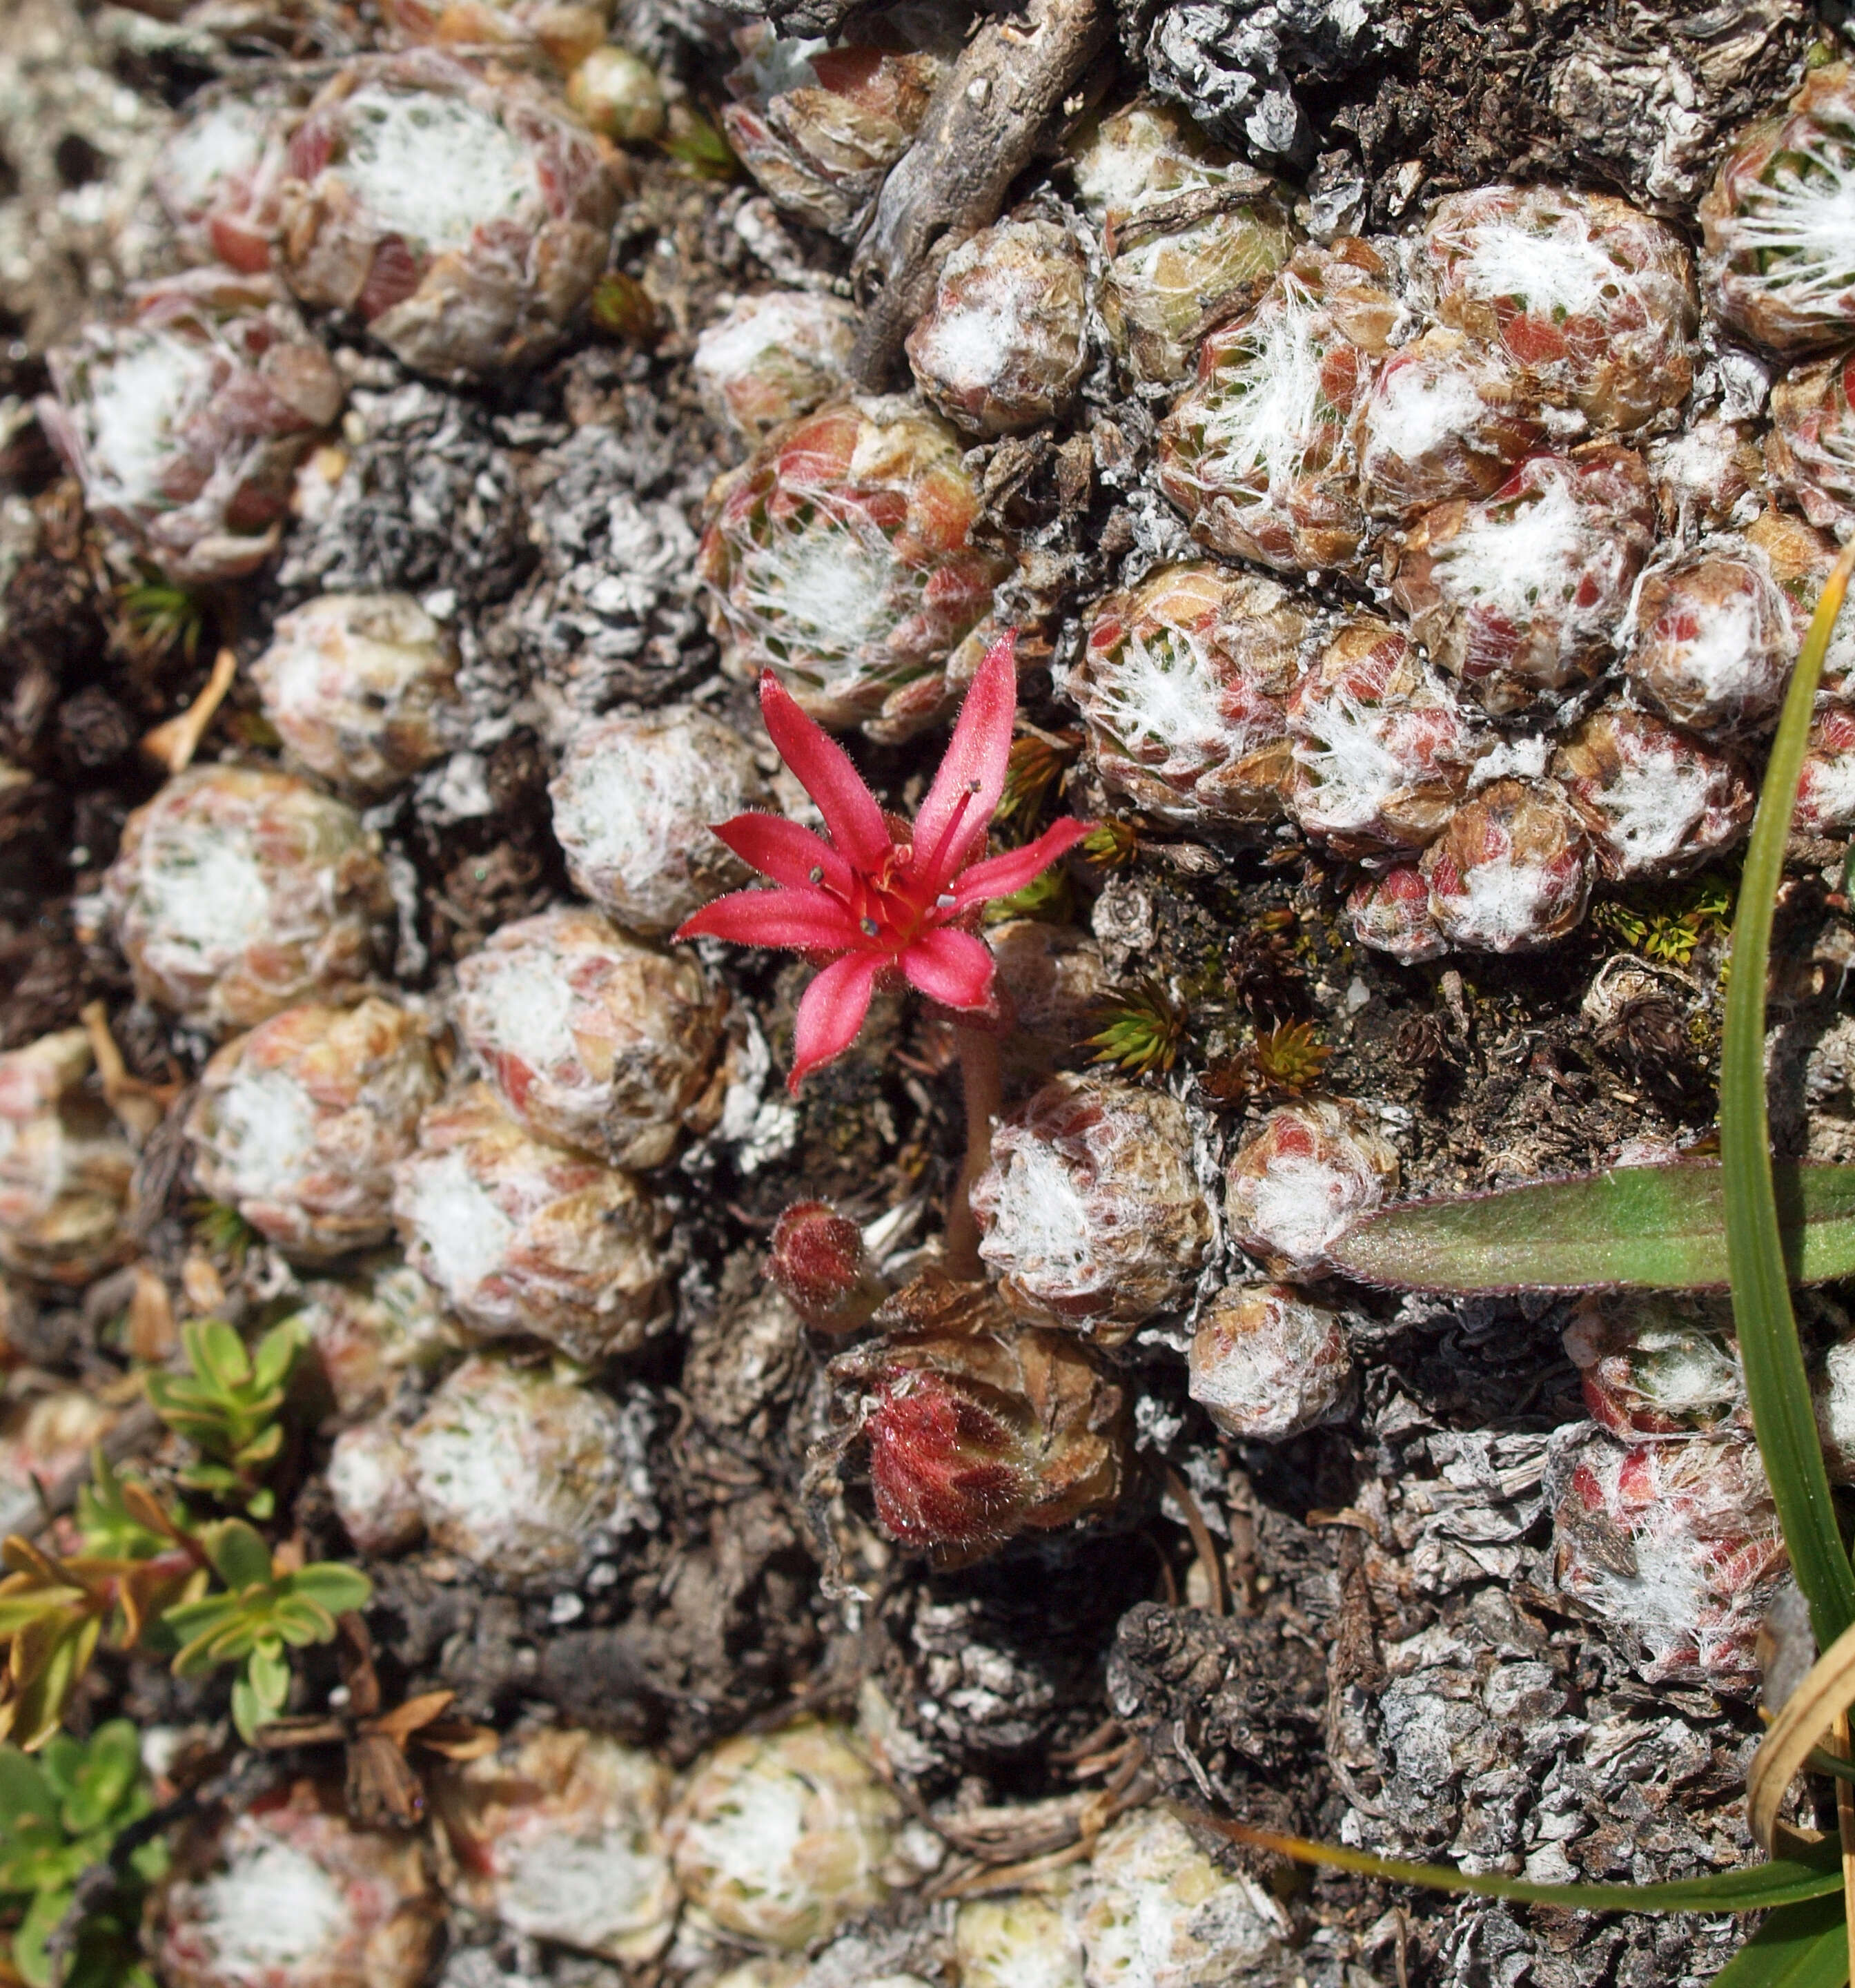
[1259, 453]
[1382, 747]
[772, 358]
[1445, 417]
[362, 688]
[298, 1124]
[521, 1473]
[840, 556]
[185, 421]
[1520, 596]
[525, 1237]
[1591, 301]
[238, 891]
[1306, 1174]
[1712, 638]
[460, 212]
[1811, 447]
[1656, 803]
[64, 1166]
[593, 1039]
[360, 1902]
[1676, 1547]
[560, 1836]
[1654, 1363]
[1390, 911]
[1511, 872]
[1183, 684]
[219, 178]
[1266, 1363]
[1004, 345]
[819, 126]
[1779, 260]
[1090, 1214]
[978, 1426]
[1191, 233]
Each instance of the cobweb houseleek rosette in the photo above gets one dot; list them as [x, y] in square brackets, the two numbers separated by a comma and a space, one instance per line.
[879, 899]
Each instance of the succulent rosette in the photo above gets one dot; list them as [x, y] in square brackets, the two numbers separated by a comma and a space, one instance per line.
[634, 801]
[370, 1325]
[298, 1123]
[362, 688]
[560, 1836]
[840, 556]
[1266, 1363]
[1825, 788]
[619, 94]
[1811, 447]
[1191, 233]
[1512, 871]
[1306, 1174]
[185, 422]
[566, 31]
[1445, 417]
[780, 1839]
[1676, 1546]
[980, 1427]
[523, 1474]
[1004, 345]
[1707, 475]
[64, 1166]
[1183, 684]
[1656, 803]
[773, 357]
[1653, 1364]
[1390, 911]
[372, 1489]
[360, 1903]
[238, 891]
[1712, 638]
[818, 1262]
[593, 1039]
[461, 213]
[1381, 745]
[1089, 1214]
[1779, 260]
[818, 126]
[219, 178]
[1520, 595]
[1799, 557]
[525, 1237]
[1257, 453]
[1592, 301]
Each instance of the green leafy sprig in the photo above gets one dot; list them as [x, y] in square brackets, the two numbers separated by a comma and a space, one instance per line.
[228, 1408]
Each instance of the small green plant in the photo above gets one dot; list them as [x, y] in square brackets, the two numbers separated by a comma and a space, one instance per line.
[697, 145]
[262, 1611]
[1287, 1061]
[228, 1408]
[1037, 762]
[1142, 1028]
[62, 1813]
[1667, 921]
[221, 1231]
[160, 619]
[1111, 844]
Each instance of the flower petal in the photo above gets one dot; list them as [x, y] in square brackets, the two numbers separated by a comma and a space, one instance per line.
[785, 851]
[849, 810]
[973, 770]
[951, 967]
[998, 876]
[804, 918]
[830, 1012]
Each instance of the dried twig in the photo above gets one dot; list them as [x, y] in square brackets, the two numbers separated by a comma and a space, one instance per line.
[985, 120]
[173, 743]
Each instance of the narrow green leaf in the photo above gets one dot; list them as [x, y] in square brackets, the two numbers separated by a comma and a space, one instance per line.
[1641, 1228]
[217, 1355]
[1813, 1871]
[1803, 1946]
[1776, 1387]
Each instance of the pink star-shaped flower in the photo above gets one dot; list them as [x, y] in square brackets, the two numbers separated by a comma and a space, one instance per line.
[881, 898]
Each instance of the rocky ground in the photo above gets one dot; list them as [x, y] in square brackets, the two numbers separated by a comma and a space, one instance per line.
[1382, 1629]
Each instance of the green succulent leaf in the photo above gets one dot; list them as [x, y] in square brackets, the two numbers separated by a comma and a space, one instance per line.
[238, 1555]
[333, 1587]
[1643, 1228]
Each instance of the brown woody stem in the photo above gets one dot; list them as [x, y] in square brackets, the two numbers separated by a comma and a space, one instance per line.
[984, 1077]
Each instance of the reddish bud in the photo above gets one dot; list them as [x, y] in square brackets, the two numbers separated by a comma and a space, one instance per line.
[819, 1264]
[979, 1428]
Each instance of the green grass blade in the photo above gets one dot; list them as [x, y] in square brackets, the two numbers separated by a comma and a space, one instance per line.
[1813, 1871]
[1775, 1384]
[1803, 1946]
[1633, 1228]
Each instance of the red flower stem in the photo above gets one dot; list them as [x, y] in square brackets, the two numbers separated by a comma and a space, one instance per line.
[984, 1077]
